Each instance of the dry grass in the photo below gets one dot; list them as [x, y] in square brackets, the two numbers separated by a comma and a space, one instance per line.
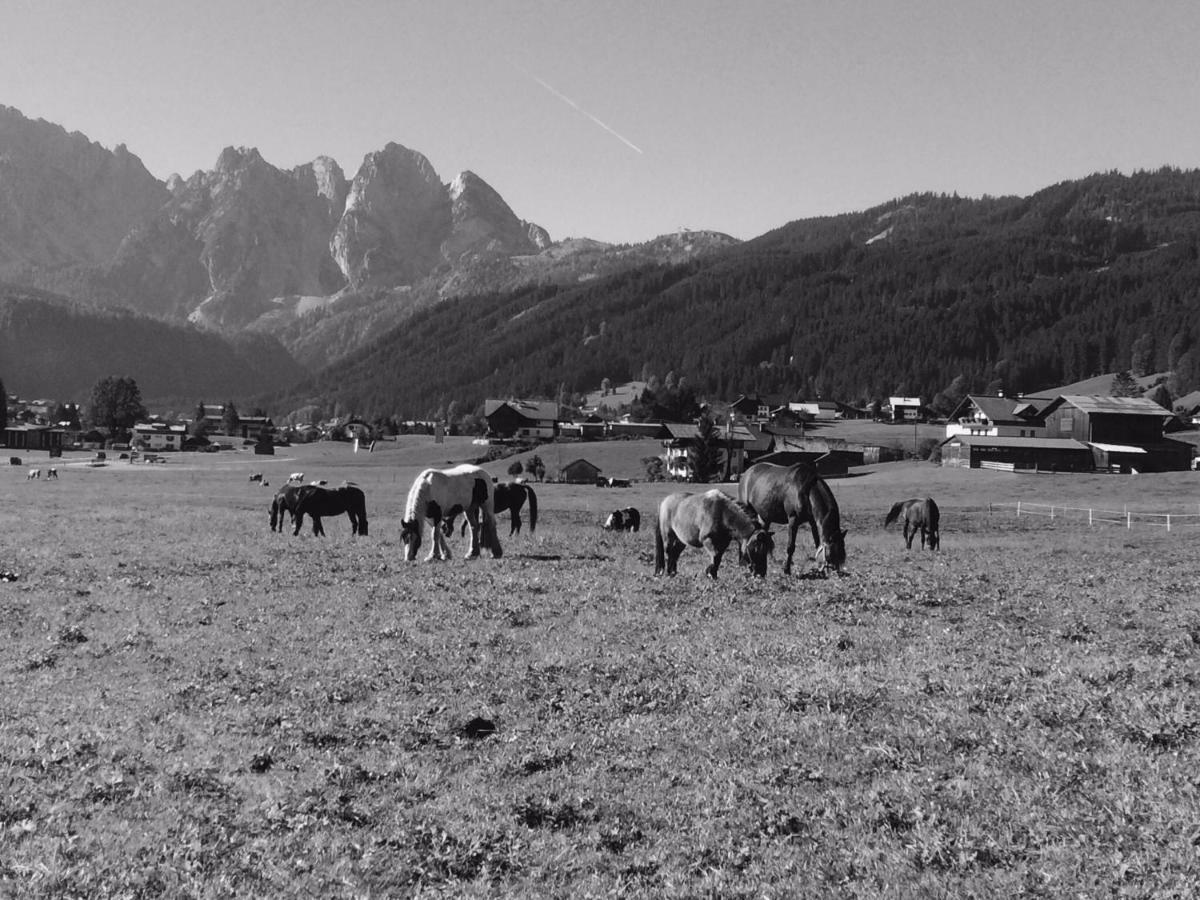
[197, 707]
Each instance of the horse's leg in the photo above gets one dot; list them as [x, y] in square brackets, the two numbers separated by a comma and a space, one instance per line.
[716, 549]
[435, 539]
[298, 520]
[318, 528]
[514, 526]
[793, 527]
[674, 548]
[909, 534]
[473, 518]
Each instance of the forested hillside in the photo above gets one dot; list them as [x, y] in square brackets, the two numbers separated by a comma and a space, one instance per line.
[51, 347]
[1015, 293]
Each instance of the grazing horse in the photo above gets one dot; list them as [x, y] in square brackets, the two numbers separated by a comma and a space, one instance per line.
[317, 501]
[255, 476]
[52, 472]
[711, 520]
[285, 500]
[791, 495]
[296, 477]
[510, 495]
[33, 474]
[438, 494]
[626, 519]
[918, 515]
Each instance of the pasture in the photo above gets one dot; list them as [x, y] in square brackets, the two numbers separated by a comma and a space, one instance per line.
[196, 706]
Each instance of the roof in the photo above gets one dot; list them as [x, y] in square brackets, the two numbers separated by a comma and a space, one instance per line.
[904, 401]
[530, 409]
[979, 440]
[1130, 406]
[749, 436]
[581, 462]
[997, 408]
[1117, 448]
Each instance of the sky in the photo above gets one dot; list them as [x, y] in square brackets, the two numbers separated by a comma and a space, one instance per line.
[622, 120]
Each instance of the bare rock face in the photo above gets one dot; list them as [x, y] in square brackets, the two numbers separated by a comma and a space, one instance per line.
[64, 200]
[397, 215]
[231, 240]
[483, 223]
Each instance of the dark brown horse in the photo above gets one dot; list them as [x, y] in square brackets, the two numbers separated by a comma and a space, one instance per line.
[625, 519]
[510, 495]
[284, 501]
[919, 515]
[790, 495]
[711, 520]
[316, 501]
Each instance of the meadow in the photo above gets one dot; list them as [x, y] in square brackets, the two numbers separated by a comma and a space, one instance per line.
[194, 706]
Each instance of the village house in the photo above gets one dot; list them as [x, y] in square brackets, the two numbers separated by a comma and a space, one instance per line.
[905, 409]
[816, 410]
[982, 415]
[740, 443]
[157, 436]
[579, 471]
[521, 419]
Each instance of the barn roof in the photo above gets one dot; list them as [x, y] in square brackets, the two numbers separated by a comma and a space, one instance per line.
[979, 440]
[1132, 406]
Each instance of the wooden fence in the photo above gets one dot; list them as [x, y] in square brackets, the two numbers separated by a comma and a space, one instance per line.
[1093, 516]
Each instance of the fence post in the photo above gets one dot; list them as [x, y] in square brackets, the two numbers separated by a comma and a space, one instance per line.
[1168, 521]
[1128, 519]
[1051, 510]
[1089, 517]
[1018, 509]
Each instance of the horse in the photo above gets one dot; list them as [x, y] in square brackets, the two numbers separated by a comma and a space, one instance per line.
[918, 515]
[626, 519]
[33, 474]
[285, 500]
[297, 477]
[791, 495]
[317, 501]
[52, 472]
[510, 495]
[437, 494]
[255, 476]
[711, 520]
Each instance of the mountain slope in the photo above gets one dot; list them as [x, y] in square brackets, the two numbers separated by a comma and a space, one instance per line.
[50, 346]
[1012, 293]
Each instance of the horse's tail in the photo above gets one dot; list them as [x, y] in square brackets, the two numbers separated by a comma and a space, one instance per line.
[894, 515]
[532, 498]
[932, 513]
[274, 511]
[660, 553]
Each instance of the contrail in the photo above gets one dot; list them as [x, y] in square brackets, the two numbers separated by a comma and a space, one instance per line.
[567, 100]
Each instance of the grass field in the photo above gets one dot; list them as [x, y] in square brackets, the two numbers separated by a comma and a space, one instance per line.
[194, 706]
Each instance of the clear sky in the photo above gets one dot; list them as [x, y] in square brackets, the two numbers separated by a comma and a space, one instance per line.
[623, 119]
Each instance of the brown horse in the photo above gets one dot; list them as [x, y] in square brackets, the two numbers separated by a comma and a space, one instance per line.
[711, 520]
[789, 495]
[317, 501]
[919, 515]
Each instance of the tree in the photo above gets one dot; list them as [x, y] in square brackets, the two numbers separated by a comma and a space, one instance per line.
[1141, 355]
[656, 469]
[535, 467]
[1162, 397]
[514, 468]
[705, 455]
[116, 404]
[3, 406]
[1125, 385]
[230, 422]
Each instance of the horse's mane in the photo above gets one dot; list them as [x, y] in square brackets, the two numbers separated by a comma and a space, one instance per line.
[746, 509]
[417, 493]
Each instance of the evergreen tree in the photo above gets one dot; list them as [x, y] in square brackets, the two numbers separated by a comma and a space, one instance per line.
[705, 455]
[230, 421]
[1124, 385]
[3, 406]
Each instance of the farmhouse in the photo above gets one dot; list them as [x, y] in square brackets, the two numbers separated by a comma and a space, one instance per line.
[525, 419]
[742, 444]
[158, 436]
[757, 409]
[905, 409]
[816, 410]
[994, 416]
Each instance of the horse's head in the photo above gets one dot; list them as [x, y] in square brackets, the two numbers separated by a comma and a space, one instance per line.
[832, 553]
[614, 520]
[758, 548]
[410, 537]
